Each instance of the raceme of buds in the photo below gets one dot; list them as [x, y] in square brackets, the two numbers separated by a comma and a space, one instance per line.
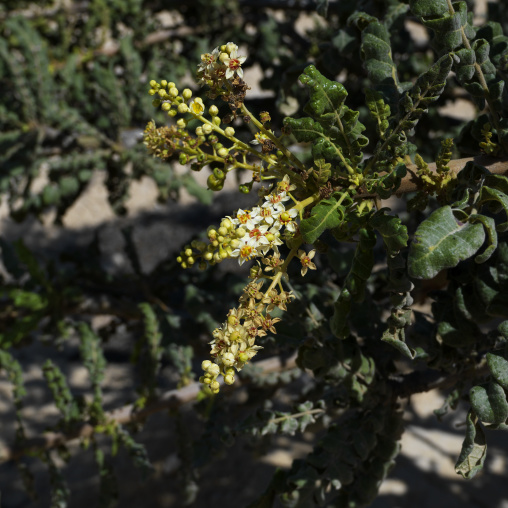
[234, 343]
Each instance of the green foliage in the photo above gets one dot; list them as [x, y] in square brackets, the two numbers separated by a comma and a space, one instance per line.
[72, 110]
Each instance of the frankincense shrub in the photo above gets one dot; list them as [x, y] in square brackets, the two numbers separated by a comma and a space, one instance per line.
[345, 224]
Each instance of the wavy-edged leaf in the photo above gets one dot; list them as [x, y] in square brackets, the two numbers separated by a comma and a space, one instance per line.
[474, 449]
[441, 242]
[448, 28]
[376, 52]
[498, 367]
[490, 194]
[393, 232]
[490, 227]
[489, 403]
[336, 128]
[327, 214]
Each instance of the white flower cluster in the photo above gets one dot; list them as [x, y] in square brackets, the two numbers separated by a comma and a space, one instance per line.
[263, 225]
[222, 62]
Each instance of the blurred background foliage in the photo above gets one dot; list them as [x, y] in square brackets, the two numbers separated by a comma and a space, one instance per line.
[74, 78]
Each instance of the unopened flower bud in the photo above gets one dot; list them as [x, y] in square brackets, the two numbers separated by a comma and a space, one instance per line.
[162, 93]
[223, 152]
[199, 131]
[230, 47]
[207, 128]
[187, 94]
[223, 231]
[229, 132]
[172, 113]
[153, 83]
[183, 108]
[229, 380]
[208, 256]
[214, 110]
[181, 122]
[223, 57]
[243, 357]
[240, 232]
[228, 359]
[213, 369]
[234, 336]
[216, 121]
[214, 386]
[166, 106]
[173, 92]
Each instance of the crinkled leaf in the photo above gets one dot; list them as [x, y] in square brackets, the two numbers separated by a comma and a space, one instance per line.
[490, 194]
[428, 7]
[490, 227]
[489, 403]
[498, 366]
[377, 55]
[441, 242]
[393, 232]
[474, 449]
[327, 214]
[337, 127]
[448, 28]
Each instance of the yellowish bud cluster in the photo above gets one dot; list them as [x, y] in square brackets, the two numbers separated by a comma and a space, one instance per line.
[222, 241]
[234, 343]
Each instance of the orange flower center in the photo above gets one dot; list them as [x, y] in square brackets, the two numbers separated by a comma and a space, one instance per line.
[242, 219]
[246, 251]
[255, 233]
[234, 64]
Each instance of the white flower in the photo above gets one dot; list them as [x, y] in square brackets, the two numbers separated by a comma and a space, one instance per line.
[286, 219]
[245, 251]
[247, 218]
[257, 234]
[234, 64]
[275, 199]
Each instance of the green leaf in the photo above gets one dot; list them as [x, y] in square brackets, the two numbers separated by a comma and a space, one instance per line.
[327, 214]
[428, 7]
[393, 232]
[449, 28]
[441, 242]
[490, 227]
[474, 449]
[336, 132]
[377, 55]
[498, 366]
[489, 403]
[489, 194]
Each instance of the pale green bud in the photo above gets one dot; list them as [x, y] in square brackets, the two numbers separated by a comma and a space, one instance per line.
[223, 232]
[214, 385]
[234, 244]
[207, 128]
[228, 359]
[226, 223]
[223, 152]
[164, 83]
[153, 83]
[229, 380]
[199, 131]
[166, 106]
[243, 357]
[213, 369]
[183, 108]
[208, 256]
[240, 232]
[173, 92]
[187, 94]
[229, 132]
[172, 113]
[205, 364]
[181, 122]
[216, 121]
[214, 110]
[223, 56]
[162, 93]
